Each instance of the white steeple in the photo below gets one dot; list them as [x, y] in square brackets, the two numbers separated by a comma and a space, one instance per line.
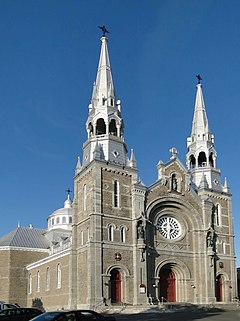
[78, 166]
[201, 156]
[104, 125]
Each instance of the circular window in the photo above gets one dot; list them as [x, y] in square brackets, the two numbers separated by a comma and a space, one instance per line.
[169, 227]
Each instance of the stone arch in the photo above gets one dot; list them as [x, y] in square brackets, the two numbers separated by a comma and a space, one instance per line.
[174, 203]
[178, 281]
[120, 275]
[179, 267]
[120, 266]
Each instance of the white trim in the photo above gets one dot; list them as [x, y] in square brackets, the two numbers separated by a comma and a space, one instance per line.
[15, 248]
[48, 259]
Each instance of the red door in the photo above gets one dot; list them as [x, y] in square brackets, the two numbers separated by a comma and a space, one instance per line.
[167, 285]
[219, 288]
[116, 286]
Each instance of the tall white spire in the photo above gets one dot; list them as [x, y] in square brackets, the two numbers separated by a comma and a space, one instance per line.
[104, 125]
[103, 90]
[201, 156]
[200, 128]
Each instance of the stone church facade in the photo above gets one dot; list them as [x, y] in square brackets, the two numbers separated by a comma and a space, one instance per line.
[120, 241]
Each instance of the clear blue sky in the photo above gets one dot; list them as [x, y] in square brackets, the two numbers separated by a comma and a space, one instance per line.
[48, 59]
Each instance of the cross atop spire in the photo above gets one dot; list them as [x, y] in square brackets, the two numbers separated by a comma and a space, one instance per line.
[199, 78]
[68, 192]
[104, 30]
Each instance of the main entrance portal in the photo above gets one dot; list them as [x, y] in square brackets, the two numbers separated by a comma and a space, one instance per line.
[167, 285]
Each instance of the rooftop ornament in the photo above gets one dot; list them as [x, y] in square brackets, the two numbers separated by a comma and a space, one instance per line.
[104, 30]
[199, 79]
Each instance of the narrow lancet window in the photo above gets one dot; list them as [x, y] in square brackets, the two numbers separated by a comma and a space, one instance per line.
[48, 279]
[84, 197]
[116, 194]
[218, 215]
[123, 234]
[59, 276]
[30, 283]
[110, 233]
[38, 281]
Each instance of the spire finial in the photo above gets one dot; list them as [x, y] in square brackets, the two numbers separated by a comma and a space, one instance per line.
[174, 152]
[104, 30]
[68, 192]
[199, 79]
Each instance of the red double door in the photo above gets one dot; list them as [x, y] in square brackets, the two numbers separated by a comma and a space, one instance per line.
[167, 285]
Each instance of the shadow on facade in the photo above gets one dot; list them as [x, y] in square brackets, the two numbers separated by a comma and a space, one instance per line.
[168, 315]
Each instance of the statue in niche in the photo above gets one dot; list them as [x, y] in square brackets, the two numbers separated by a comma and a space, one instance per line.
[140, 231]
[210, 239]
[174, 183]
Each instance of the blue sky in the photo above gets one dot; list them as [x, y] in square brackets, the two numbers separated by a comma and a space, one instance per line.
[48, 59]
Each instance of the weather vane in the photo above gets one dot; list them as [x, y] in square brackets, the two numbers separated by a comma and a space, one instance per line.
[199, 79]
[104, 30]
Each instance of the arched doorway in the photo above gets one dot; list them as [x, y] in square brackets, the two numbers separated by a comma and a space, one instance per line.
[219, 288]
[167, 285]
[116, 286]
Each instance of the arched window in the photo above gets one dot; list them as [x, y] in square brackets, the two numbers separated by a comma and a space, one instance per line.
[101, 127]
[211, 160]
[84, 197]
[64, 219]
[58, 220]
[192, 162]
[30, 283]
[116, 194]
[38, 281]
[90, 129]
[113, 128]
[110, 233]
[218, 219]
[123, 234]
[70, 219]
[202, 160]
[48, 279]
[59, 276]
[52, 221]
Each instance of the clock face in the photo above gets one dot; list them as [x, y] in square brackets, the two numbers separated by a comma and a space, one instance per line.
[169, 227]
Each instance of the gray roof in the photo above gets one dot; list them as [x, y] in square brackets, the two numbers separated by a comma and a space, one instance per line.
[25, 237]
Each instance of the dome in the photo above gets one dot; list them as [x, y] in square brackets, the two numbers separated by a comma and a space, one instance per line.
[62, 217]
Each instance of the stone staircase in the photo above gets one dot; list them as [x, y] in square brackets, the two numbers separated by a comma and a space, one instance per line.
[168, 308]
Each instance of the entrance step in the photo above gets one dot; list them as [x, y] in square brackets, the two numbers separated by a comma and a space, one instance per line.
[168, 308]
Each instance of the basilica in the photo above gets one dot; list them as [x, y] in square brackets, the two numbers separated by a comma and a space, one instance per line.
[119, 241]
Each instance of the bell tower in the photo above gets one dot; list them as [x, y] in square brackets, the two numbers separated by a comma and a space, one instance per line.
[201, 156]
[104, 124]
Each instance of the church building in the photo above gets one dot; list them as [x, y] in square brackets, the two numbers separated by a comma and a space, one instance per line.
[122, 242]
